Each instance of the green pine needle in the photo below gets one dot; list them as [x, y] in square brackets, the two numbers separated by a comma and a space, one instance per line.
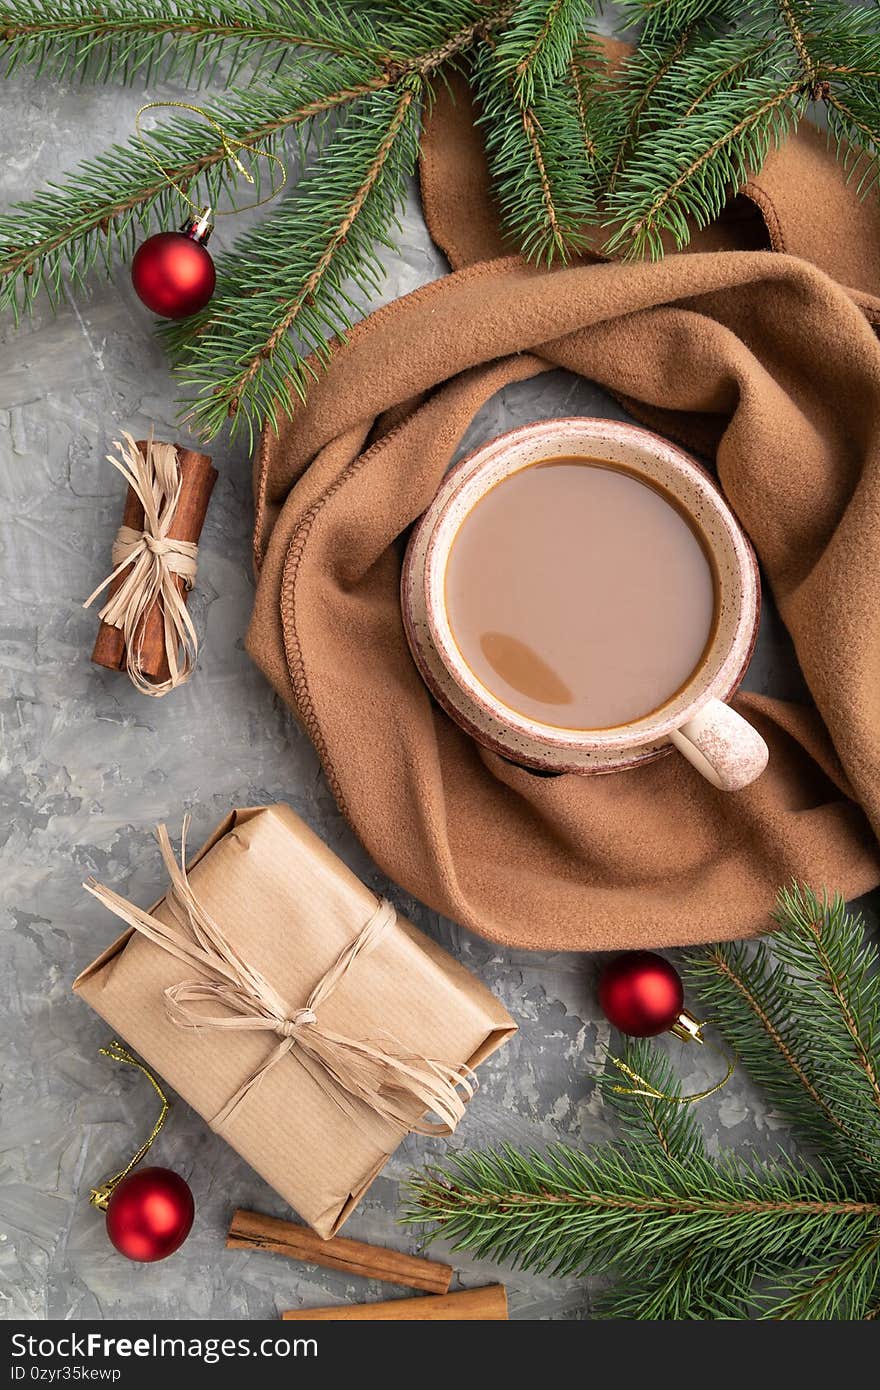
[688, 171]
[663, 20]
[854, 129]
[802, 1011]
[684, 1237]
[124, 40]
[105, 207]
[642, 1119]
[569, 1212]
[545, 171]
[535, 49]
[645, 152]
[251, 353]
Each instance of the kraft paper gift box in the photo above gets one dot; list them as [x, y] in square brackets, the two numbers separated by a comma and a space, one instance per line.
[288, 907]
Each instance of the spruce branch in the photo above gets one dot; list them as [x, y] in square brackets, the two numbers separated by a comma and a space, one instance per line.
[130, 39]
[187, 38]
[546, 179]
[683, 1236]
[689, 171]
[748, 997]
[659, 145]
[661, 21]
[586, 75]
[658, 88]
[567, 1212]
[107, 203]
[842, 1288]
[854, 127]
[239, 355]
[795, 16]
[845, 40]
[721, 65]
[803, 1013]
[842, 987]
[536, 46]
[685, 1290]
[631, 93]
[662, 1117]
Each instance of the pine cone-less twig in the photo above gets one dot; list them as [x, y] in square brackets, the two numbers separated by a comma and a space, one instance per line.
[646, 150]
[685, 1237]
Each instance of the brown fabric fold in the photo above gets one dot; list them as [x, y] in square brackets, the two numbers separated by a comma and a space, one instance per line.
[762, 360]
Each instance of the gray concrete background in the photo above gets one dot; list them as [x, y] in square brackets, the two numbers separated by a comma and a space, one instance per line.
[88, 766]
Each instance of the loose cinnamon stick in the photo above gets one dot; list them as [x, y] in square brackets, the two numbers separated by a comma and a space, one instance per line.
[250, 1230]
[109, 648]
[197, 482]
[473, 1305]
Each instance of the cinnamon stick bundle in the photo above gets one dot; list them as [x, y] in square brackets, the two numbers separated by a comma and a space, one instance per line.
[250, 1230]
[197, 483]
[472, 1305]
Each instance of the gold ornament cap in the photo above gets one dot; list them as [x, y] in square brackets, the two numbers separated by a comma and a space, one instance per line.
[688, 1028]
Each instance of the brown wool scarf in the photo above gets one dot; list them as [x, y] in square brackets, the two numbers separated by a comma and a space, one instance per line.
[767, 363]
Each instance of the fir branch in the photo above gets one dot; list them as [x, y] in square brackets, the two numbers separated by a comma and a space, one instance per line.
[545, 184]
[747, 996]
[536, 47]
[663, 20]
[688, 1289]
[854, 127]
[844, 991]
[660, 89]
[632, 90]
[586, 75]
[138, 38]
[567, 1212]
[680, 128]
[845, 40]
[238, 354]
[533, 82]
[735, 65]
[669, 1122]
[108, 202]
[686, 1238]
[841, 1288]
[312, 285]
[689, 171]
[708, 64]
[795, 19]
[776, 1006]
[131, 39]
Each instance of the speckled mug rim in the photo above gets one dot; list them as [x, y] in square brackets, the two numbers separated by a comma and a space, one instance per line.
[736, 573]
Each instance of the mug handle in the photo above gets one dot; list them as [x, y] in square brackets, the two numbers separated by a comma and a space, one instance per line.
[722, 746]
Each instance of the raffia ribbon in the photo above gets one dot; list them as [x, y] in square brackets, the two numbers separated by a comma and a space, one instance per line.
[391, 1082]
[152, 558]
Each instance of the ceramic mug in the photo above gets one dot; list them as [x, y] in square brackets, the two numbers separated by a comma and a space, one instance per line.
[697, 720]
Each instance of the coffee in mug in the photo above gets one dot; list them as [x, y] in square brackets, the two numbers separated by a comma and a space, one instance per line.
[580, 598]
[579, 594]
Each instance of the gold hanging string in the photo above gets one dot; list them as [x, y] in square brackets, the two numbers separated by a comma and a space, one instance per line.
[230, 146]
[100, 1196]
[643, 1087]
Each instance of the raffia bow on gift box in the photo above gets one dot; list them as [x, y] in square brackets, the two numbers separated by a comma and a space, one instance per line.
[383, 1077]
[266, 917]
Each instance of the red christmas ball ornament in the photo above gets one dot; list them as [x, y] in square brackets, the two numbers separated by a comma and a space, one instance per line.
[150, 1214]
[641, 994]
[172, 272]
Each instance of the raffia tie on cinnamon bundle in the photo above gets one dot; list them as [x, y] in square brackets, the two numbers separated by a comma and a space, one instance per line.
[154, 569]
